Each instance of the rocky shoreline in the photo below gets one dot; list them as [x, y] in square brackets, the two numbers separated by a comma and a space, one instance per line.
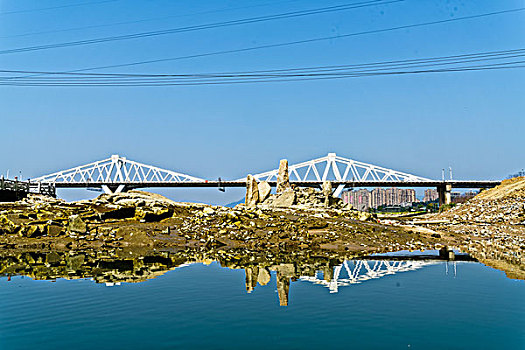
[290, 221]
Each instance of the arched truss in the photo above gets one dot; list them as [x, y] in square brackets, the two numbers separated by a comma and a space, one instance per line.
[332, 167]
[116, 170]
[359, 271]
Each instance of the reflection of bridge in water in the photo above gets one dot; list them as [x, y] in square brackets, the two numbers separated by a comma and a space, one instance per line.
[359, 271]
[115, 267]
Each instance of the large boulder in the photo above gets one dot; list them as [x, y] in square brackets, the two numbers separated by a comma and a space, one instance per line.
[327, 193]
[252, 192]
[76, 224]
[153, 214]
[283, 179]
[264, 191]
[284, 199]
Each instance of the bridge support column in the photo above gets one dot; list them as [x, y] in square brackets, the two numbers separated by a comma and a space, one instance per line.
[338, 190]
[113, 189]
[444, 192]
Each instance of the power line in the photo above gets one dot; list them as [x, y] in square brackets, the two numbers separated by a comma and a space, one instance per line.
[56, 7]
[342, 76]
[203, 26]
[226, 9]
[453, 59]
[314, 73]
[298, 42]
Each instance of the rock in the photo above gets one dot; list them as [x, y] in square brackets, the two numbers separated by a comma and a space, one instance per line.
[327, 188]
[118, 213]
[153, 214]
[327, 193]
[283, 179]
[34, 231]
[54, 230]
[264, 191]
[364, 216]
[8, 226]
[284, 199]
[76, 224]
[208, 211]
[252, 192]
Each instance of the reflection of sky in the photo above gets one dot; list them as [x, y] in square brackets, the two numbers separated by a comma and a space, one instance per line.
[207, 307]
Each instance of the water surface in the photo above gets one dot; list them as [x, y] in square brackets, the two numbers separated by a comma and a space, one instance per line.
[357, 304]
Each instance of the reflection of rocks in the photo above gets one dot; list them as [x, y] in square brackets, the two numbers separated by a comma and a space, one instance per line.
[264, 276]
[115, 266]
[129, 266]
[283, 287]
[252, 274]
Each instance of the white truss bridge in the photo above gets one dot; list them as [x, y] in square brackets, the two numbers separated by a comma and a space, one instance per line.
[359, 271]
[334, 167]
[116, 174]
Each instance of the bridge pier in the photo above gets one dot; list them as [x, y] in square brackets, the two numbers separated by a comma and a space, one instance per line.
[109, 189]
[444, 192]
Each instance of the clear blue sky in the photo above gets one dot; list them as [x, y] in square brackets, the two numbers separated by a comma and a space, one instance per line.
[471, 121]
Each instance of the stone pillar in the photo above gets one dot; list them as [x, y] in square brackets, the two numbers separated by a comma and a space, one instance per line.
[252, 192]
[283, 179]
[444, 192]
[327, 192]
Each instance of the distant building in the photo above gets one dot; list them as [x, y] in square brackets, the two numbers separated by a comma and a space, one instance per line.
[363, 199]
[359, 199]
[457, 197]
[431, 195]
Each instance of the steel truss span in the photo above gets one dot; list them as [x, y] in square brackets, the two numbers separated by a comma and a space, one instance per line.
[116, 174]
[334, 167]
[116, 170]
[339, 169]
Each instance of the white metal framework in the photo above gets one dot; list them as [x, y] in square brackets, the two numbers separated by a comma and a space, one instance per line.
[359, 271]
[116, 170]
[333, 167]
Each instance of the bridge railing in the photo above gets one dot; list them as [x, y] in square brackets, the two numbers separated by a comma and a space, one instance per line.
[43, 188]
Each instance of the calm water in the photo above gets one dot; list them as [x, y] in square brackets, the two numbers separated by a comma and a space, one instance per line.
[365, 305]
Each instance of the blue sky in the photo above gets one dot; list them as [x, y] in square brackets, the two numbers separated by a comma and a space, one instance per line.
[471, 121]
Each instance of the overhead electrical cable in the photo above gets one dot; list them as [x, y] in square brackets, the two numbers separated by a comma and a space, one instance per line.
[487, 55]
[203, 26]
[457, 63]
[229, 82]
[56, 7]
[225, 9]
[299, 42]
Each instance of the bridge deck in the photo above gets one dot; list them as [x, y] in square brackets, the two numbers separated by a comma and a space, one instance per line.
[215, 184]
